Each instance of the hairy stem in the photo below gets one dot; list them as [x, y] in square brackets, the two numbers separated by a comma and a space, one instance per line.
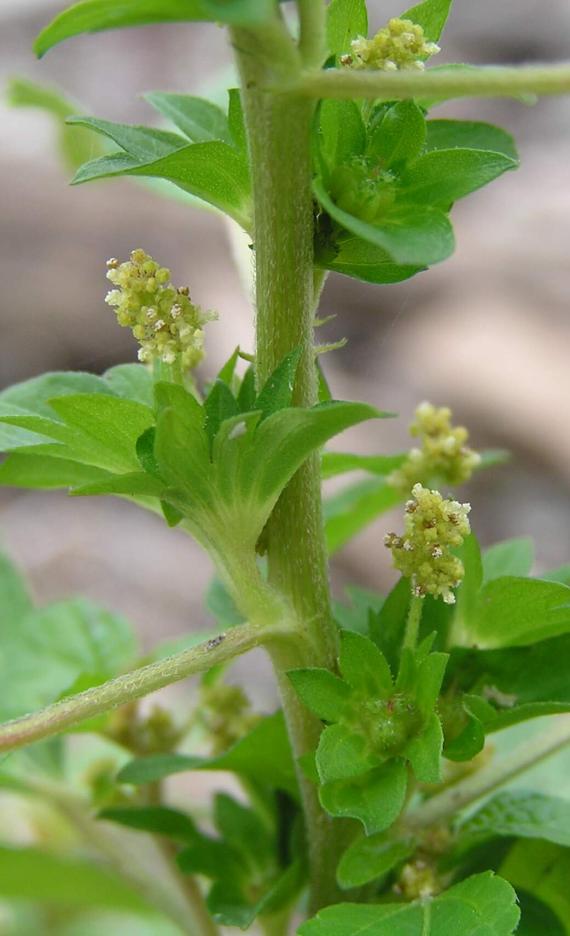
[140, 682]
[413, 622]
[447, 804]
[279, 140]
[312, 17]
[488, 81]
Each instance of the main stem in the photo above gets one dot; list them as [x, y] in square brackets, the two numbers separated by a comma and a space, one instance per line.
[279, 139]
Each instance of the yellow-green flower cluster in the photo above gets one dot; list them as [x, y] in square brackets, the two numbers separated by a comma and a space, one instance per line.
[433, 526]
[167, 325]
[444, 454]
[225, 714]
[399, 45]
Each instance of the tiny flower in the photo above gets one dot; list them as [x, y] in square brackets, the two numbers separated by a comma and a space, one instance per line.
[444, 454]
[399, 45]
[163, 319]
[424, 553]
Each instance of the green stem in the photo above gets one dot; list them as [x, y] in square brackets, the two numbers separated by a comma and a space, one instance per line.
[446, 805]
[413, 622]
[312, 18]
[488, 81]
[279, 139]
[75, 709]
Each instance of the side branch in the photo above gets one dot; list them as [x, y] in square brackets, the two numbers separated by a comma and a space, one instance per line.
[486, 81]
[140, 682]
[446, 805]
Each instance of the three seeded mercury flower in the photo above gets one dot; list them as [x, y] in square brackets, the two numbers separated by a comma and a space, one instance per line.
[444, 454]
[399, 45]
[167, 325]
[433, 526]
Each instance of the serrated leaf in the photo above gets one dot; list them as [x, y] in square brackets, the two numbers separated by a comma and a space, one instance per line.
[376, 798]
[518, 814]
[512, 557]
[263, 753]
[213, 171]
[482, 905]
[429, 679]
[469, 134]
[431, 15]
[346, 19]
[97, 15]
[197, 118]
[363, 666]
[399, 136]
[370, 857]
[34, 395]
[143, 143]
[418, 235]
[350, 511]
[341, 755]
[321, 691]
[160, 820]
[358, 258]
[441, 177]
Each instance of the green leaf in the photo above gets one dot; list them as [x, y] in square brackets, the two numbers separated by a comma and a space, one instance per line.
[513, 557]
[321, 691]
[285, 439]
[431, 15]
[263, 753]
[213, 171]
[197, 118]
[482, 905]
[353, 256]
[346, 19]
[376, 798]
[468, 592]
[335, 463]
[143, 143]
[518, 814]
[441, 177]
[131, 381]
[97, 15]
[543, 870]
[428, 682]
[182, 446]
[562, 575]
[15, 601]
[419, 235]
[219, 405]
[515, 612]
[32, 874]
[388, 626]
[341, 755]
[521, 682]
[130, 484]
[159, 820]
[350, 511]
[370, 857]
[245, 832]
[424, 752]
[469, 134]
[111, 425]
[363, 606]
[236, 120]
[399, 136]
[364, 667]
[277, 392]
[35, 395]
[221, 605]
[341, 132]
[70, 638]
[75, 145]
[537, 918]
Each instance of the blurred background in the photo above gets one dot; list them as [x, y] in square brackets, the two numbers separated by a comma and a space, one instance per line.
[486, 333]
